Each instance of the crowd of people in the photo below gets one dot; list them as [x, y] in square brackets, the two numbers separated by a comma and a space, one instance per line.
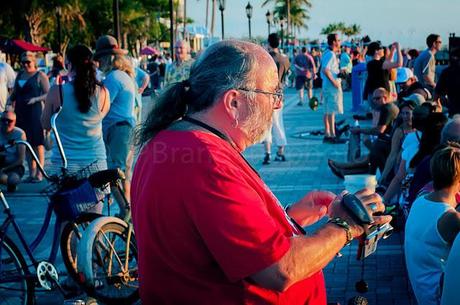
[413, 149]
[207, 227]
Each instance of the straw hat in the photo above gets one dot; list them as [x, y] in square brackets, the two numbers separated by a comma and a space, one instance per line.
[108, 45]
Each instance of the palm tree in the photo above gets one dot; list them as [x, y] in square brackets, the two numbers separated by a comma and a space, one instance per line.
[296, 12]
[330, 28]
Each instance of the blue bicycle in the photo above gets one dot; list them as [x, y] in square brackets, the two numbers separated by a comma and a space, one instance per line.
[70, 196]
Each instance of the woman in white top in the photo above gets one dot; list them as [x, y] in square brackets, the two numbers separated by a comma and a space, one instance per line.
[432, 226]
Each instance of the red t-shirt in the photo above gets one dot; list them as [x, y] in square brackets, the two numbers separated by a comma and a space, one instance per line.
[204, 223]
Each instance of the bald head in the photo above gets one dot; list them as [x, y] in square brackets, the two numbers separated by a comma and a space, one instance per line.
[451, 131]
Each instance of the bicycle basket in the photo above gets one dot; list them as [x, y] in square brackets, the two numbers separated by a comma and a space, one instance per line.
[72, 200]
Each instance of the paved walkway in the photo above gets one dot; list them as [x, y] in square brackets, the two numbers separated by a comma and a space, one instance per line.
[305, 169]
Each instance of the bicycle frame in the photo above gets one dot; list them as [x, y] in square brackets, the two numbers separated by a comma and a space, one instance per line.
[10, 219]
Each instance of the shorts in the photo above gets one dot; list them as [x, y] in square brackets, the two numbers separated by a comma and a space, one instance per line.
[333, 101]
[276, 131]
[302, 81]
[19, 170]
[117, 144]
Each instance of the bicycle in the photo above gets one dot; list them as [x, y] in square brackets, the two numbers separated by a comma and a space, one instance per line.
[107, 261]
[17, 283]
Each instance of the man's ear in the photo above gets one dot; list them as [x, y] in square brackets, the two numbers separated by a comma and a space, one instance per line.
[232, 102]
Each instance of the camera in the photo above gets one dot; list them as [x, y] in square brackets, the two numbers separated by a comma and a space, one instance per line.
[373, 233]
[368, 242]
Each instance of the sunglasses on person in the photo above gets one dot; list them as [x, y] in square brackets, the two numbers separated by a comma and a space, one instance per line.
[7, 121]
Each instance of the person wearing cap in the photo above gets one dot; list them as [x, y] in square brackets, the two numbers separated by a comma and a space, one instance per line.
[425, 64]
[30, 90]
[378, 68]
[409, 84]
[11, 156]
[179, 69]
[119, 80]
[448, 88]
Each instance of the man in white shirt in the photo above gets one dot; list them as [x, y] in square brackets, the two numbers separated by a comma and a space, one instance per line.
[7, 77]
[332, 88]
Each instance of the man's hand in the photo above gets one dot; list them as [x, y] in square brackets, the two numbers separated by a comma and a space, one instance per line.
[371, 200]
[336, 84]
[312, 207]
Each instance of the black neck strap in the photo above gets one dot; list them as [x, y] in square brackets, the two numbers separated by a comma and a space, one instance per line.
[220, 135]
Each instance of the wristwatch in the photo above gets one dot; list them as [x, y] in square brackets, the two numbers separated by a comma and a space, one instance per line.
[343, 224]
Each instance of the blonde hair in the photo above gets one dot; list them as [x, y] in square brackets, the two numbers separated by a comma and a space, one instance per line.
[122, 63]
[445, 166]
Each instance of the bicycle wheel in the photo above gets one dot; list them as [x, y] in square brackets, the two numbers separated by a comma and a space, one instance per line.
[113, 264]
[16, 284]
[71, 235]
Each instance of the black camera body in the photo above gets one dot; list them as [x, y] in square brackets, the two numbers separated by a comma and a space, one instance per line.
[373, 233]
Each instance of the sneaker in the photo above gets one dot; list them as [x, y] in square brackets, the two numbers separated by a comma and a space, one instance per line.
[280, 157]
[266, 159]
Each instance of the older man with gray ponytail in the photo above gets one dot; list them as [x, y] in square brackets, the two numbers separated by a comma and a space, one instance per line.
[208, 229]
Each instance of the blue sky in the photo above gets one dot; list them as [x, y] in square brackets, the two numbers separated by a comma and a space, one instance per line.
[407, 21]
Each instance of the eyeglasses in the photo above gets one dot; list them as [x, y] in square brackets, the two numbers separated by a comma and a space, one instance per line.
[438, 41]
[277, 95]
[26, 62]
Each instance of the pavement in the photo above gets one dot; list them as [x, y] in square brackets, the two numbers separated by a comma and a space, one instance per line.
[304, 170]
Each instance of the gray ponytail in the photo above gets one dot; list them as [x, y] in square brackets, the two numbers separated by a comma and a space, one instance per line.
[223, 66]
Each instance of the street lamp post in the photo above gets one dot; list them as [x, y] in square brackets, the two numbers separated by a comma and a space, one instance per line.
[58, 22]
[222, 8]
[171, 28]
[249, 14]
[116, 20]
[269, 20]
[282, 31]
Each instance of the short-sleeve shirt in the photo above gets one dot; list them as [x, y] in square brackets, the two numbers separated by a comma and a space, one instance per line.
[449, 84]
[377, 77]
[425, 65]
[7, 77]
[329, 61]
[304, 62]
[204, 223]
[388, 113]
[178, 72]
[11, 154]
[122, 90]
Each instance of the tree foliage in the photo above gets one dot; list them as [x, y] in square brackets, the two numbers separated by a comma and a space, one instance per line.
[83, 21]
[341, 27]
